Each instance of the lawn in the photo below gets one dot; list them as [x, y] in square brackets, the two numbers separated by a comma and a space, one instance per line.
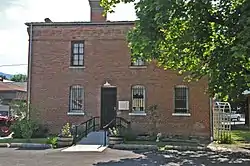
[32, 140]
[240, 135]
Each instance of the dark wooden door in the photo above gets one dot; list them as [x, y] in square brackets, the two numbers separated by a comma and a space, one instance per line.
[108, 104]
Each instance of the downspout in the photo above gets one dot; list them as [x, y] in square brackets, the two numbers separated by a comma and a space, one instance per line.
[211, 119]
[29, 67]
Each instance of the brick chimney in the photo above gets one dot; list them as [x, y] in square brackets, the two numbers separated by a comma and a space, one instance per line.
[96, 11]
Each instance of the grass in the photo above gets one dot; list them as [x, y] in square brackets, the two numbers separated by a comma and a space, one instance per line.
[240, 135]
[161, 143]
[32, 140]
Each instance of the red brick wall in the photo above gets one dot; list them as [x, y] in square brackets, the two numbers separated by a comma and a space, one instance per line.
[107, 58]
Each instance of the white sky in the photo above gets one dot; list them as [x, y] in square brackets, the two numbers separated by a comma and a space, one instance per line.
[13, 32]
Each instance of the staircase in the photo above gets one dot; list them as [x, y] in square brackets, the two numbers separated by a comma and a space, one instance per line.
[89, 136]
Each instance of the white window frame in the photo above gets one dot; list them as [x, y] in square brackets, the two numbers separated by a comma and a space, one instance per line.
[187, 100]
[79, 111]
[142, 112]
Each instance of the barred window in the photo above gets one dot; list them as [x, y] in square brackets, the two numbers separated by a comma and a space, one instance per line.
[138, 98]
[77, 57]
[76, 98]
[138, 62]
[181, 99]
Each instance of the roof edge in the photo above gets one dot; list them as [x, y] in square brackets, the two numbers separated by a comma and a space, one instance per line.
[79, 23]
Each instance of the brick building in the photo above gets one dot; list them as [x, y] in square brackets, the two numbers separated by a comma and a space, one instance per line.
[79, 70]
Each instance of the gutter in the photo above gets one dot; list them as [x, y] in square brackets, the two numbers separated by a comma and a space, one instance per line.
[29, 67]
[80, 23]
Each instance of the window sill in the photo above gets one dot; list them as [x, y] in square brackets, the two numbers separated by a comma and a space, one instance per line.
[77, 67]
[181, 114]
[137, 67]
[76, 113]
[138, 113]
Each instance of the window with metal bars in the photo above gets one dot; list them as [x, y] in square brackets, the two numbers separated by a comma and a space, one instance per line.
[77, 56]
[181, 99]
[138, 98]
[76, 98]
[138, 62]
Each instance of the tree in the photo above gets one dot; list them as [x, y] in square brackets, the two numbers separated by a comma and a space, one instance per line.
[19, 78]
[198, 38]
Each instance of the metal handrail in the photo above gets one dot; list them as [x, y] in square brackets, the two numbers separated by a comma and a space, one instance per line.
[107, 126]
[87, 128]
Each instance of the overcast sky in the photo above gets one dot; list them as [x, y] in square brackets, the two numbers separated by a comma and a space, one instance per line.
[13, 32]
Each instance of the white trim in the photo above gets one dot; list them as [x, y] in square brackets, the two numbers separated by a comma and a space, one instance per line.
[77, 67]
[138, 113]
[138, 67]
[181, 114]
[76, 113]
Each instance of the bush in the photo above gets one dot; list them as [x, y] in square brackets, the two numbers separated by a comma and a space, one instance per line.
[24, 128]
[16, 128]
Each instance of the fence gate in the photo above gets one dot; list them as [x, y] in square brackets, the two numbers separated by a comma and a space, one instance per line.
[221, 120]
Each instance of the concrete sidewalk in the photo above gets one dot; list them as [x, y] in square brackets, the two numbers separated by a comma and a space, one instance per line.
[85, 148]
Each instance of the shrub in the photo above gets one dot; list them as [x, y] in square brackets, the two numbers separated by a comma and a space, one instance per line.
[16, 128]
[52, 141]
[24, 128]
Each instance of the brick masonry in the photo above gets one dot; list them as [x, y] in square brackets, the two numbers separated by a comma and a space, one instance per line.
[107, 58]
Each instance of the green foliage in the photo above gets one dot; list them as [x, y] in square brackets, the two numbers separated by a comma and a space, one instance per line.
[66, 131]
[207, 39]
[19, 108]
[52, 141]
[24, 128]
[225, 139]
[19, 78]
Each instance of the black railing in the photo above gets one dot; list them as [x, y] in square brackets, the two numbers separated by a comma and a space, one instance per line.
[83, 129]
[118, 122]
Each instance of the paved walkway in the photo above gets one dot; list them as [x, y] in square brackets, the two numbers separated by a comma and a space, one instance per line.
[85, 148]
[12, 157]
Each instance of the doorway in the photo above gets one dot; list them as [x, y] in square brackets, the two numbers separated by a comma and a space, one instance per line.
[108, 105]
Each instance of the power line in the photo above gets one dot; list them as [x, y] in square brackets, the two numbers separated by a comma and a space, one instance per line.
[13, 65]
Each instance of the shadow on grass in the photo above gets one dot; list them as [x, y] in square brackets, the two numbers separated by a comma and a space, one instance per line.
[183, 158]
[241, 135]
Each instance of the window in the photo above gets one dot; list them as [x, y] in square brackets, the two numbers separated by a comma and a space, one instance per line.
[77, 57]
[138, 62]
[138, 98]
[181, 99]
[76, 99]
